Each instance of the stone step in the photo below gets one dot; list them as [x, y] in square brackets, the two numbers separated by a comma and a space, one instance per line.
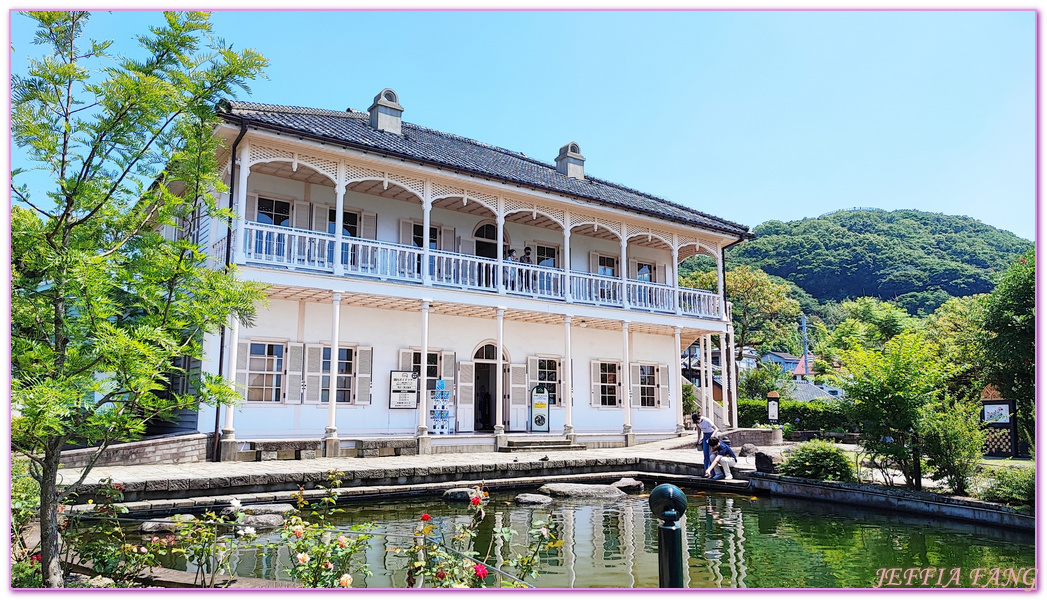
[520, 443]
[564, 446]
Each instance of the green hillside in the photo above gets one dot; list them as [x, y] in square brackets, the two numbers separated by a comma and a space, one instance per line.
[915, 258]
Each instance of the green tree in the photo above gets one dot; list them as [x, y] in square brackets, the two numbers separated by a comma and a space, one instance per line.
[888, 389]
[956, 328]
[953, 438]
[762, 309]
[765, 378]
[101, 302]
[1009, 343]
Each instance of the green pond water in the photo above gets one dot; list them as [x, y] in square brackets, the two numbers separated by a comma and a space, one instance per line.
[730, 541]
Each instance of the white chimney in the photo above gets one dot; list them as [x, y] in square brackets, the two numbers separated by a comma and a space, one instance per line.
[570, 162]
[385, 112]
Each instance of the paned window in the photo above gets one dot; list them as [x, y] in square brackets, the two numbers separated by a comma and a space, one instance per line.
[345, 371]
[608, 266]
[644, 272]
[609, 383]
[647, 383]
[434, 236]
[432, 370]
[350, 223]
[545, 255]
[549, 376]
[265, 370]
[274, 212]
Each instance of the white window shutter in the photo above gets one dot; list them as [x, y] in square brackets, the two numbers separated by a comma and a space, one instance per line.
[447, 239]
[662, 395]
[406, 358]
[252, 208]
[532, 373]
[362, 385]
[467, 246]
[369, 226]
[313, 371]
[293, 380]
[301, 215]
[663, 270]
[518, 385]
[465, 409]
[243, 356]
[321, 217]
[634, 385]
[406, 232]
[594, 263]
[447, 366]
[632, 268]
[594, 383]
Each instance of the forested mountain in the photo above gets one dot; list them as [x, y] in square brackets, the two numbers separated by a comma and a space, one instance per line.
[915, 258]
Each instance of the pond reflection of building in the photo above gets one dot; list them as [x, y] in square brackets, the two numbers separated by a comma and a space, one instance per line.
[717, 553]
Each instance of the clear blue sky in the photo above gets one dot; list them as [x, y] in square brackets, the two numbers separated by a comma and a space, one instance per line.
[747, 115]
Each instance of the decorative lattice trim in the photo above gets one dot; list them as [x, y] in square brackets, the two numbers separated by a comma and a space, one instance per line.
[512, 205]
[324, 166]
[354, 173]
[637, 230]
[443, 191]
[261, 154]
[416, 186]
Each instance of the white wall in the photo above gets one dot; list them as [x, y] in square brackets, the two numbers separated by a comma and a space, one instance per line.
[389, 331]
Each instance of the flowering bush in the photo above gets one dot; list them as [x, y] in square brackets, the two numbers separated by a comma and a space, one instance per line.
[322, 557]
[205, 545]
[454, 562]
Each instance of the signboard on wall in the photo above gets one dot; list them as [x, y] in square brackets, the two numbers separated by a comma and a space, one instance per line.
[403, 389]
[998, 414]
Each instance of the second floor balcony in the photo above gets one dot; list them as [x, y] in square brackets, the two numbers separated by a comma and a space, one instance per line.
[309, 251]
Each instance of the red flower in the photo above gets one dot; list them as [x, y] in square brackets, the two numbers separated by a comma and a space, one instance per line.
[426, 517]
[35, 559]
[481, 571]
[475, 500]
[440, 574]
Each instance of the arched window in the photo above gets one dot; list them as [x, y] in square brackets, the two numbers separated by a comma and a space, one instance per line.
[486, 237]
[488, 352]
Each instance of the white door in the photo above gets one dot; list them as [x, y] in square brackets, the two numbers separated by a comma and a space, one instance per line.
[466, 396]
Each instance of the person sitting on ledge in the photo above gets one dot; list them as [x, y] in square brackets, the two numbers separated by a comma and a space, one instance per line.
[723, 459]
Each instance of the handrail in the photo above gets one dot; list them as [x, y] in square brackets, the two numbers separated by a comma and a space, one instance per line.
[300, 249]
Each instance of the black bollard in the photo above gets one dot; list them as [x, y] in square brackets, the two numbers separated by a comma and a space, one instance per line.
[668, 503]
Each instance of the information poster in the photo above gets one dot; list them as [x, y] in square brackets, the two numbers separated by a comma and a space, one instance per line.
[403, 389]
[539, 409]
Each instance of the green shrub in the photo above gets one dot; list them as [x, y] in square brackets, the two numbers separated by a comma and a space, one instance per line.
[690, 401]
[814, 415]
[953, 439]
[1015, 486]
[818, 459]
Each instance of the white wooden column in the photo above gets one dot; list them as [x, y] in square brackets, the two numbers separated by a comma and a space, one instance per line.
[499, 381]
[734, 379]
[623, 268]
[721, 274]
[228, 433]
[627, 417]
[677, 372]
[707, 373]
[332, 388]
[565, 260]
[427, 209]
[676, 279]
[567, 371]
[423, 376]
[241, 203]
[339, 218]
[501, 250]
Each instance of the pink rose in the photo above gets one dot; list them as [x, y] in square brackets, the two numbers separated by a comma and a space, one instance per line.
[480, 570]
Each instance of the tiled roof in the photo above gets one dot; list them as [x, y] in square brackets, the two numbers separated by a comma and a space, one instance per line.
[805, 391]
[352, 128]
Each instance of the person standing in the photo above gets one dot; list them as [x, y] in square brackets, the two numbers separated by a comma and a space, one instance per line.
[723, 459]
[526, 273]
[707, 429]
[510, 271]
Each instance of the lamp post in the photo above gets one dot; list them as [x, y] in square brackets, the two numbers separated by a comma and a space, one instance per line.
[668, 503]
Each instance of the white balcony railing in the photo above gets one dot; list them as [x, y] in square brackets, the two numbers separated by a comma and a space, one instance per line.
[314, 251]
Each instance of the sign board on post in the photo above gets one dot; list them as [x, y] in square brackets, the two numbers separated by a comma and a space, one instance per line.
[403, 389]
[772, 408]
[539, 408]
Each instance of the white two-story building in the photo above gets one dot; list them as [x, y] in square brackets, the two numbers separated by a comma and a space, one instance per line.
[384, 246]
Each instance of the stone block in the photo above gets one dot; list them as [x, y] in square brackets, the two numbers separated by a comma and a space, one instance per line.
[307, 454]
[268, 455]
[768, 462]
